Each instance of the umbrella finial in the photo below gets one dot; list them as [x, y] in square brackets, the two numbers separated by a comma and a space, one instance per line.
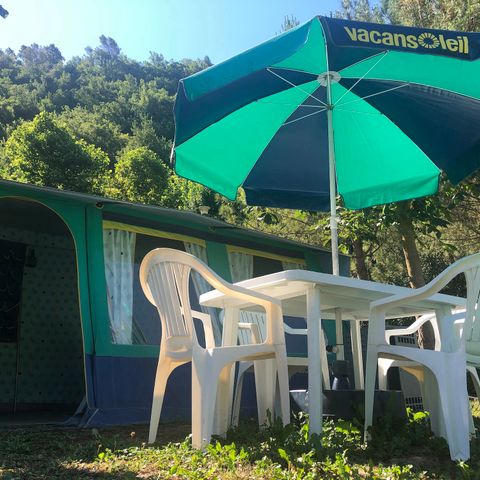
[324, 78]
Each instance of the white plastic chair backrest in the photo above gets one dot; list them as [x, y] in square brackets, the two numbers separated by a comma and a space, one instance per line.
[470, 266]
[472, 320]
[164, 276]
[257, 318]
[167, 284]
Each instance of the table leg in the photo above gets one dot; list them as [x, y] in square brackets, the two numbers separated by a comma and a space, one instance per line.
[441, 313]
[339, 334]
[314, 325]
[357, 354]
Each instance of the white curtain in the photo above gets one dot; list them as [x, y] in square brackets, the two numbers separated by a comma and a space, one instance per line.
[293, 266]
[119, 252]
[241, 266]
[202, 286]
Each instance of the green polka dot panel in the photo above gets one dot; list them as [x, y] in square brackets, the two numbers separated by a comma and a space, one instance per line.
[50, 367]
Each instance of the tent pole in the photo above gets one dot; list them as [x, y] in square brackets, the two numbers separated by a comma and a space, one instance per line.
[333, 194]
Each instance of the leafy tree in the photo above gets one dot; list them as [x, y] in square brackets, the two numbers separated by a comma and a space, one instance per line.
[361, 10]
[39, 58]
[106, 53]
[461, 15]
[182, 194]
[145, 135]
[155, 103]
[289, 22]
[42, 152]
[140, 176]
[94, 128]
[430, 216]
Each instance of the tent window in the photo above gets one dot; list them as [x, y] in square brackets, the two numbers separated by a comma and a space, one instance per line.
[147, 328]
[119, 251]
[133, 319]
[244, 265]
[247, 263]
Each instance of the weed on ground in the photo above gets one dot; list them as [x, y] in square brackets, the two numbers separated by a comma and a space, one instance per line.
[399, 449]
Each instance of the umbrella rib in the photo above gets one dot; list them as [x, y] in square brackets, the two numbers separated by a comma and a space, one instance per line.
[296, 86]
[374, 94]
[290, 104]
[305, 116]
[363, 76]
[358, 111]
[362, 60]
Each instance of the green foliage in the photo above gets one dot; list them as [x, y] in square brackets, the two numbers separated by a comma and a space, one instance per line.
[44, 153]
[395, 436]
[140, 176]
[362, 10]
[101, 104]
[289, 22]
[144, 134]
[272, 452]
[381, 238]
[95, 129]
[461, 15]
[106, 103]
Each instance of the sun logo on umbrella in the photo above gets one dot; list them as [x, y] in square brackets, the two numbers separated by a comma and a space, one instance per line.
[428, 40]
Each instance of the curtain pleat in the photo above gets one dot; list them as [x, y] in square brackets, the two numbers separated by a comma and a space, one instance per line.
[202, 286]
[119, 252]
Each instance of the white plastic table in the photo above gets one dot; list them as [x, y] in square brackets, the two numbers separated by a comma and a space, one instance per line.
[316, 296]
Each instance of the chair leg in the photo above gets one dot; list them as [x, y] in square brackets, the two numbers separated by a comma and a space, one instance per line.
[283, 386]
[455, 413]
[471, 425]
[324, 360]
[242, 369]
[164, 368]
[384, 365]
[430, 390]
[204, 393]
[475, 379]
[237, 397]
[371, 373]
[224, 401]
[265, 382]
[476, 384]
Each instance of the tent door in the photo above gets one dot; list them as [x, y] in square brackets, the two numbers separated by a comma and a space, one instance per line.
[42, 376]
[12, 260]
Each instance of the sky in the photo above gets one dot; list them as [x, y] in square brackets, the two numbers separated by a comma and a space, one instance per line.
[175, 28]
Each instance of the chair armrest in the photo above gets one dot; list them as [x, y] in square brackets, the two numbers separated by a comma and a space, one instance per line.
[254, 331]
[275, 332]
[272, 306]
[378, 308]
[428, 290]
[207, 327]
[294, 331]
[411, 328]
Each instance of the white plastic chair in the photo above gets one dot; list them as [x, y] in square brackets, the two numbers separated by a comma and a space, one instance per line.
[164, 276]
[252, 330]
[473, 360]
[443, 372]
[384, 364]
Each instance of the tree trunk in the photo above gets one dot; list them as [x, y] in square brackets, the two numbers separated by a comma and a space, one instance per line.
[359, 257]
[409, 246]
[426, 337]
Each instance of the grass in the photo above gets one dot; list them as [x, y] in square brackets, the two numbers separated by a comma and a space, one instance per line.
[398, 450]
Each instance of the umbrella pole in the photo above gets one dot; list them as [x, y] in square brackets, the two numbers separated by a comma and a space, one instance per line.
[333, 193]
